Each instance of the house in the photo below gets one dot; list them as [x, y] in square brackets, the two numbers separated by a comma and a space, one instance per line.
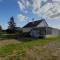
[40, 28]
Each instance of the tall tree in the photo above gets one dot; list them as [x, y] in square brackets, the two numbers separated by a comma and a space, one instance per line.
[0, 27]
[12, 25]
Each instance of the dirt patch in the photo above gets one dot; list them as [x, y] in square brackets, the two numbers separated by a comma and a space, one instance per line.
[6, 42]
[51, 51]
[47, 52]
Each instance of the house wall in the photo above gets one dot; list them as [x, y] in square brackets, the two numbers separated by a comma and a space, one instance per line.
[52, 32]
[42, 31]
[55, 32]
[38, 32]
[34, 33]
[26, 29]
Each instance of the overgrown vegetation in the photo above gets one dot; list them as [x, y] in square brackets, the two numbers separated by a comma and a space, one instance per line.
[19, 51]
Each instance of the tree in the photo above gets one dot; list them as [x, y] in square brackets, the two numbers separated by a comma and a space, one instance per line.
[12, 25]
[0, 29]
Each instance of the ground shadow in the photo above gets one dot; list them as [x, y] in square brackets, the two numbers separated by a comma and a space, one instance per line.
[19, 38]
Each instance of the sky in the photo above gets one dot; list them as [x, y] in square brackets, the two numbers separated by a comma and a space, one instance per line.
[24, 11]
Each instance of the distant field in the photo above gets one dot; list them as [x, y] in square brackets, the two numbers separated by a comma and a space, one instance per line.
[32, 49]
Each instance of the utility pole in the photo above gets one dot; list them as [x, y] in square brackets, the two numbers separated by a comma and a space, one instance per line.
[33, 21]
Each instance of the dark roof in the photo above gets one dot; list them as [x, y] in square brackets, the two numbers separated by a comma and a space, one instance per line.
[33, 24]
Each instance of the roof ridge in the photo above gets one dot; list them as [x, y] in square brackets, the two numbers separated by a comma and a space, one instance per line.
[37, 20]
[30, 24]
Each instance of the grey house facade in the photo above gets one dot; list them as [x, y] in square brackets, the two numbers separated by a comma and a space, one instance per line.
[40, 28]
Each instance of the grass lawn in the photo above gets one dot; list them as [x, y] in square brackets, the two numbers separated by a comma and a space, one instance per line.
[26, 50]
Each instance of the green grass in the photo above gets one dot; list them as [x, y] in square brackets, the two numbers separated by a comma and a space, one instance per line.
[7, 36]
[8, 49]
[20, 48]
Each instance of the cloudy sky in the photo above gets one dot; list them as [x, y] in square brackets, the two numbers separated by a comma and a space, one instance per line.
[25, 10]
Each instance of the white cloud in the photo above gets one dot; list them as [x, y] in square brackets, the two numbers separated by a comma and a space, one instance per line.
[27, 3]
[22, 17]
[21, 6]
[57, 0]
[48, 9]
[53, 11]
[36, 6]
